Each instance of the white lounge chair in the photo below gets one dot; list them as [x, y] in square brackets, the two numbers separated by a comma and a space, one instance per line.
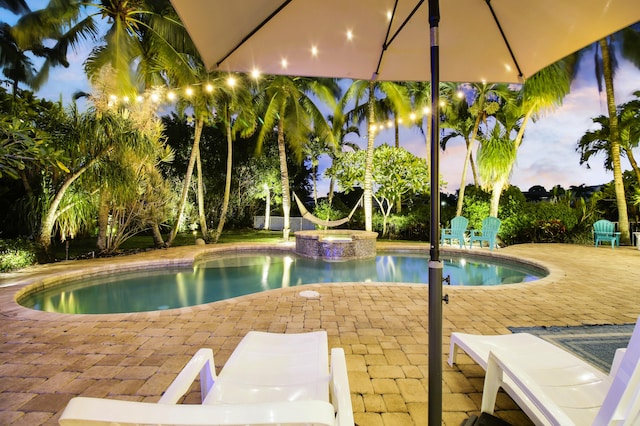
[551, 385]
[269, 379]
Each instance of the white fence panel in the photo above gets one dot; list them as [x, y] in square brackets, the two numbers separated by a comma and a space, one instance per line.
[277, 223]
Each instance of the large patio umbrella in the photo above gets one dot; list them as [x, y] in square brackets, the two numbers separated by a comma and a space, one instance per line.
[399, 40]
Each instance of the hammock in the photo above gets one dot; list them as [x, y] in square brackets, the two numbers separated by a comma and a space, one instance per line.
[328, 223]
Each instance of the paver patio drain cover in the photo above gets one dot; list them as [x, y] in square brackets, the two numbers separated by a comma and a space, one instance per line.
[309, 294]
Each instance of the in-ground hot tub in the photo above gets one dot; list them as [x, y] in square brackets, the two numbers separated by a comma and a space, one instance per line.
[339, 244]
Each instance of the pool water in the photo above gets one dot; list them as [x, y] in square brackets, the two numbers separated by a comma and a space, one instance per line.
[230, 276]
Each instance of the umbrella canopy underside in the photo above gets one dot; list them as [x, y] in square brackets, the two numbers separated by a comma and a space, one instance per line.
[480, 40]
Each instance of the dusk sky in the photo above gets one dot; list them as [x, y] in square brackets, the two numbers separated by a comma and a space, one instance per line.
[547, 156]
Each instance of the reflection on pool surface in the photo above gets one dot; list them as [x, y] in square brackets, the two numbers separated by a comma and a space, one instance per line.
[232, 275]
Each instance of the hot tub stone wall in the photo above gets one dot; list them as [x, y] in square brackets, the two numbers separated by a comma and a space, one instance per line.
[347, 245]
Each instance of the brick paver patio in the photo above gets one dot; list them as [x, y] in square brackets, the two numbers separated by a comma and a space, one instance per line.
[46, 358]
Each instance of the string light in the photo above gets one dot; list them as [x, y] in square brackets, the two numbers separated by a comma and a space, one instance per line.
[172, 95]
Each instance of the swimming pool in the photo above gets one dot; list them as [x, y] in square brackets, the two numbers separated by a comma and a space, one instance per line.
[226, 276]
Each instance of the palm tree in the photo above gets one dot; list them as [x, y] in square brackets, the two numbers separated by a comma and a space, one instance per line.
[605, 63]
[542, 92]
[614, 130]
[398, 97]
[630, 130]
[596, 141]
[315, 147]
[133, 195]
[16, 64]
[195, 154]
[497, 152]
[148, 34]
[89, 137]
[144, 44]
[17, 7]
[460, 123]
[420, 94]
[289, 110]
[235, 110]
[486, 102]
[341, 127]
[27, 38]
[201, 102]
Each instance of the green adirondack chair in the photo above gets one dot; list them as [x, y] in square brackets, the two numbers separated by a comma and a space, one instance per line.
[458, 231]
[604, 231]
[488, 233]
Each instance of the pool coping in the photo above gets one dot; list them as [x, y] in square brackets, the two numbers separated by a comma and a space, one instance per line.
[187, 256]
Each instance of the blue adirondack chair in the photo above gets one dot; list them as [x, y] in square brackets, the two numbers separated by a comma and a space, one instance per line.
[488, 233]
[604, 231]
[458, 231]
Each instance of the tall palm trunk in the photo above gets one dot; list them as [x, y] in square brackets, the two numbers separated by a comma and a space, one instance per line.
[267, 211]
[463, 179]
[314, 177]
[227, 181]
[396, 125]
[633, 162]
[472, 142]
[427, 139]
[468, 160]
[368, 165]
[396, 130]
[331, 190]
[201, 214]
[523, 126]
[623, 216]
[496, 192]
[474, 171]
[103, 220]
[158, 241]
[46, 227]
[284, 177]
[187, 178]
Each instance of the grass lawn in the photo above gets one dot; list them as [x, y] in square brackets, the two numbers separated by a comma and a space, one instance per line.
[84, 247]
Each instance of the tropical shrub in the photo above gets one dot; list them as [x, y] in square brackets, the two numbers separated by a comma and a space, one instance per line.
[546, 222]
[16, 254]
[510, 210]
[410, 225]
[326, 211]
[476, 206]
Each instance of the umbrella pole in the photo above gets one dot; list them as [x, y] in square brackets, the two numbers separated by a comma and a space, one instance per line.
[435, 264]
